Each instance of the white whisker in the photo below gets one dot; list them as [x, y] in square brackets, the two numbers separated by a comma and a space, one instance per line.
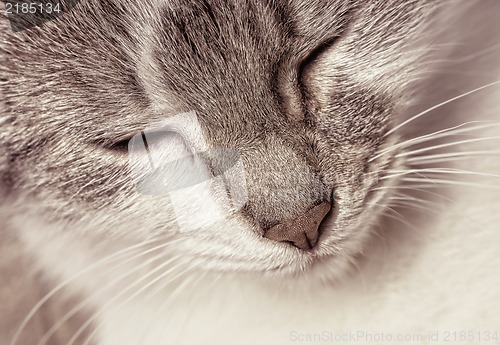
[440, 146]
[455, 155]
[415, 203]
[398, 217]
[138, 292]
[214, 281]
[450, 182]
[110, 284]
[455, 130]
[414, 189]
[186, 282]
[431, 171]
[413, 118]
[60, 286]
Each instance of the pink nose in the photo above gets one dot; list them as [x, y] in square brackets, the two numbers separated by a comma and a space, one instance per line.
[302, 232]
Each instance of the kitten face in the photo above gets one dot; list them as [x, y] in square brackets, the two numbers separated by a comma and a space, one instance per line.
[303, 92]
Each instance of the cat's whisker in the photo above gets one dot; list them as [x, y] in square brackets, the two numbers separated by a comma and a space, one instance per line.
[109, 258]
[186, 282]
[432, 171]
[459, 155]
[467, 154]
[191, 282]
[396, 216]
[434, 181]
[406, 201]
[387, 207]
[475, 55]
[428, 190]
[404, 196]
[443, 160]
[416, 203]
[161, 287]
[434, 207]
[188, 295]
[399, 174]
[417, 116]
[420, 186]
[440, 146]
[455, 130]
[415, 189]
[413, 207]
[461, 59]
[143, 288]
[80, 306]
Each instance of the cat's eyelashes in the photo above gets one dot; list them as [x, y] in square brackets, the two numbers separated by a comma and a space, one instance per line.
[120, 146]
[317, 52]
[314, 76]
[154, 139]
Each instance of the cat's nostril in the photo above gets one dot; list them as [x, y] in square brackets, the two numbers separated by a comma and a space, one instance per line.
[302, 232]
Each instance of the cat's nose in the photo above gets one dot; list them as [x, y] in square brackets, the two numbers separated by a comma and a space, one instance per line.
[302, 232]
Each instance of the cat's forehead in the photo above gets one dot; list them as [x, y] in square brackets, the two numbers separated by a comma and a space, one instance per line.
[228, 60]
[229, 56]
[253, 37]
[202, 47]
[206, 48]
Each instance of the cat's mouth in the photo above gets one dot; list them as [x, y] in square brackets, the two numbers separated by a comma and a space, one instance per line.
[286, 261]
[341, 234]
[338, 247]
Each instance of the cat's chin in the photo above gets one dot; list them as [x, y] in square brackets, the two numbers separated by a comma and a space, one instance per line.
[307, 272]
[327, 270]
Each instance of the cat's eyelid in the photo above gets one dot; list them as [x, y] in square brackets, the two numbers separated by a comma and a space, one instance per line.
[185, 126]
[318, 51]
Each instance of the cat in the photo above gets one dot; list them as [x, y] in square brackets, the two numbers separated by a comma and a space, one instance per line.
[335, 209]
